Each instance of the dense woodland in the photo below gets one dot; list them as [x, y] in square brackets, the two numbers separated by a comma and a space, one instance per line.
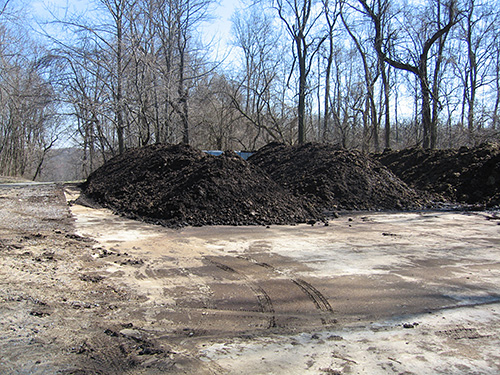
[365, 74]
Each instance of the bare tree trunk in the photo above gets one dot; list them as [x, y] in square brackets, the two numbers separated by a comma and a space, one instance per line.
[497, 86]
[370, 88]
[318, 98]
[45, 150]
[117, 10]
[326, 114]
[436, 78]
[298, 27]
[426, 114]
[182, 91]
[387, 114]
[472, 73]
[301, 110]
[365, 145]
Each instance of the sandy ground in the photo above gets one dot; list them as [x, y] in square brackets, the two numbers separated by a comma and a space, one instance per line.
[86, 292]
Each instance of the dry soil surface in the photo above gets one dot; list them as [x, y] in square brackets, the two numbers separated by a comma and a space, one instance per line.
[83, 291]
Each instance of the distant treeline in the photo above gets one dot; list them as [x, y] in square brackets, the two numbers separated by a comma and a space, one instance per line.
[365, 74]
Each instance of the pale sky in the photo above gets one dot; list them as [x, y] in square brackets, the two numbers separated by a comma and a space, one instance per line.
[220, 27]
[217, 31]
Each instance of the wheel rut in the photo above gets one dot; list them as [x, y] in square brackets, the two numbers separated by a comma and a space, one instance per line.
[314, 294]
[290, 302]
[264, 301]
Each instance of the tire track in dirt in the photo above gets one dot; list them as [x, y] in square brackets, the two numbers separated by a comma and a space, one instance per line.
[314, 294]
[319, 300]
[265, 302]
[288, 299]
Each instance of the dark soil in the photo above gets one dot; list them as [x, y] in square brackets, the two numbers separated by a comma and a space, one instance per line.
[467, 175]
[178, 185]
[335, 179]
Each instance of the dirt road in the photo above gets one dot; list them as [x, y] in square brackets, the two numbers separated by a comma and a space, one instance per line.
[86, 292]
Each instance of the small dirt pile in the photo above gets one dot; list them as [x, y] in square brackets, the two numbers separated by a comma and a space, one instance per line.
[178, 185]
[334, 178]
[467, 175]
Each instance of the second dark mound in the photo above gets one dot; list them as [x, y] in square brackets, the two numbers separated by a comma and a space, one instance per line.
[467, 175]
[334, 178]
[177, 185]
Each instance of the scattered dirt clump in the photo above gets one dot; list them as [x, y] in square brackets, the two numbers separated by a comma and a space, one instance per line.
[334, 178]
[466, 175]
[177, 185]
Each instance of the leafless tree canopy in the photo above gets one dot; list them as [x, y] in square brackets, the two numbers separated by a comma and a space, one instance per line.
[366, 74]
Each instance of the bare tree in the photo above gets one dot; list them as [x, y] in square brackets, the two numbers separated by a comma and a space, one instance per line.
[331, 16]
[112, 39]
[375, 69]
[217, 122]
[421, 59]
[496, 81]
[438, 71]
[28, 100]
[3, 7]
[261, 82]
[371, 75]
[187, 16]
[300, 19]
[477, 33]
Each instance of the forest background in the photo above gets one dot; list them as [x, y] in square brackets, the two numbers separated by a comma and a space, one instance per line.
[91, 79]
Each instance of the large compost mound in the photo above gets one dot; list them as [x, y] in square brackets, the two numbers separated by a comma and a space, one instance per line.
[177, 185]
[466, 175]
[334, 178]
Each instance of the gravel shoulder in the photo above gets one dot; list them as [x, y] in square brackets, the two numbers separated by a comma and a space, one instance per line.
[84, 291]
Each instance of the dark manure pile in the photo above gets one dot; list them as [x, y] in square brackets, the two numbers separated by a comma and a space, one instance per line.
[464, 176]
[335, 179]
[177, 185]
